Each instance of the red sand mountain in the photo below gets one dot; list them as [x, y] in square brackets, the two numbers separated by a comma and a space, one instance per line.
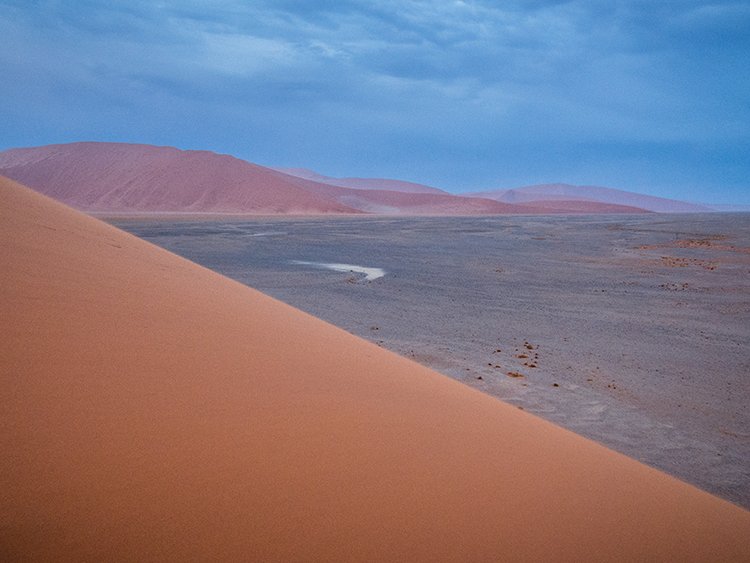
[117, 177]
[363, 183]
[416, 200]
[566, 206]
[390, 202]
[380, 204]
[553, 192]
[154, 410]
[128, 177]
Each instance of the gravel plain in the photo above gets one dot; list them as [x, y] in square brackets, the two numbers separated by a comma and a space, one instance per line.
[631, 330]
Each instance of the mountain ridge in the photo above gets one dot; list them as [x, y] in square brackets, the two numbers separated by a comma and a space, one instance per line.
[139, 178]
[571, 192]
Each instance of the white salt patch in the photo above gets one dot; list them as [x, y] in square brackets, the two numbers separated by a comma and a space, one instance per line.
[266, 234]
[370, 273]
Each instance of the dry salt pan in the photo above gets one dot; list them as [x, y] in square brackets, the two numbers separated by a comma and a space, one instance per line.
[370, 273]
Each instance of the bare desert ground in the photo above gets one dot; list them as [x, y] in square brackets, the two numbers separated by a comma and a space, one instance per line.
[155, 410]
[632, 330]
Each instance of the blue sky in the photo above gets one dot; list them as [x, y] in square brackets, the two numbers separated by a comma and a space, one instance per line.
[641, 95]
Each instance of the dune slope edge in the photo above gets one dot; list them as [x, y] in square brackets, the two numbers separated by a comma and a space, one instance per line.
[155, 410]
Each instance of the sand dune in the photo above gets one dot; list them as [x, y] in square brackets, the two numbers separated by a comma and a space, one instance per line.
[551, 192]
[154, 410]
[128, 178]
[125, 178]
[118, 177]
[390, 202]
[363, 183]
[563, 206]
[478, 203]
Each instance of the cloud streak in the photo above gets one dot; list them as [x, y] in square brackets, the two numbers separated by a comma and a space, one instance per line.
[460, 94]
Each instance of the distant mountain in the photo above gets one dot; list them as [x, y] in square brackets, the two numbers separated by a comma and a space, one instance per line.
[389, 202]
[397, 197]
[118, 177]
[730, 208]
[363, 183]
[564, 206]
[132, 178]
[567, 192]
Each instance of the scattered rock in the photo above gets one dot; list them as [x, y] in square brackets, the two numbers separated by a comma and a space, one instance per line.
[674, 286]
[514, 374]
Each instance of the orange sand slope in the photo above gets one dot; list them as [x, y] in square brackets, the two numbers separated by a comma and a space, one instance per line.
[154, 410]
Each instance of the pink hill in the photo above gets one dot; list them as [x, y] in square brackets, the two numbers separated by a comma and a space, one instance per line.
[132, 178]
[402, 203]
[363, 183]
[116, 177]
[567, 192]
[126, 177]
[573, 206]
[375, 195]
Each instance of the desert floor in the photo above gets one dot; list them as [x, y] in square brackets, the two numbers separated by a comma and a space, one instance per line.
[633, 331]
